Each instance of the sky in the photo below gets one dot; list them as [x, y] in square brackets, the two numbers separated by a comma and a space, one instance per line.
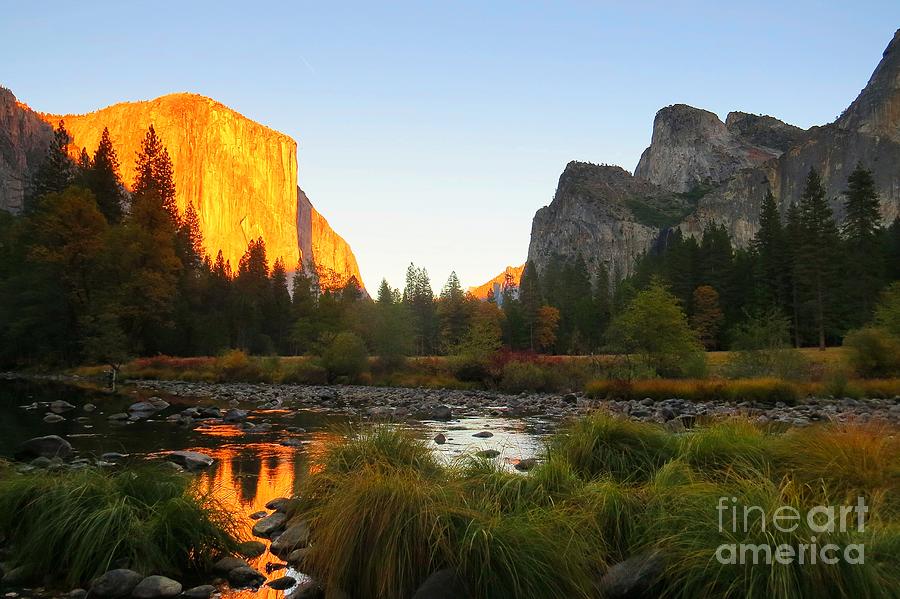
[431, 132]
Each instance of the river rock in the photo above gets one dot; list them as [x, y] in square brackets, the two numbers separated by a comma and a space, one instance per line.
[443, 584]
[251, 548]
[229, 563]
[488, 453]
[633, 578]
[156, 587]
[483, 435]
[295, 536]
[50, 446]
[192, 460]
[283, 583]
[203, 591]
[440, 438]
[76, 594]
[297, 556]
[88, 407]
[526, 464]
[245, 576]
[53, 418]
[115, 583]
[235, 415]
[59, 406]
[280, 504]
[269, 525]
[310, 589]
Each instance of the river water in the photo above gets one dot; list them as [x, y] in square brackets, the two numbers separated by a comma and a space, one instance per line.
[250, 468]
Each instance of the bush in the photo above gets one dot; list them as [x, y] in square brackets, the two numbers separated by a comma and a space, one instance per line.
[523, 376]
[235, 365]
[345, 356]
[74, 525]
[784, 363]
[873, 352]
[758, 390]
[469, 368]
[304, 372]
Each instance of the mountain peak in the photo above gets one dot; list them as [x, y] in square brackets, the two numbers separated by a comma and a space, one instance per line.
[876, 109]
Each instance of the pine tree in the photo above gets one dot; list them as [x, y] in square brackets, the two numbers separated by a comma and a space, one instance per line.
[707, 316]
[190, 238]
[815, 257]
[278, 321]
[154, 173]
[531, 299]
[793, 233]
[452, 313]
[768, 243]
[862, 232]
[102, 178]
[304, 328]
[57, 171]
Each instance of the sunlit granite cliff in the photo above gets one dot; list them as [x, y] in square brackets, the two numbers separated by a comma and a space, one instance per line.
[241, 176]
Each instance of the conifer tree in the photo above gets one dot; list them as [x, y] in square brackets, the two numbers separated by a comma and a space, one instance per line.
[862, 229]
[768, 243]
[814, 261]
[278, 319]
[453, 313]
[531, 300]
[102, 178]
[154, 173]
[56, 172]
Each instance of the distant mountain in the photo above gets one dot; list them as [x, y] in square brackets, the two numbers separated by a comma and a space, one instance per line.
[240, 176]
[699, 170]
[512, 273]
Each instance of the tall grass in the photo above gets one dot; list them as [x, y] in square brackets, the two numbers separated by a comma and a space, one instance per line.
[74, 525]
[605, 490]
[601, 444]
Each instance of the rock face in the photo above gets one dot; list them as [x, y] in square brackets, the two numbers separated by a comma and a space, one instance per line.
[592, 214]
[514, 273]
[240, 176]
[699, 170]
[24, 138]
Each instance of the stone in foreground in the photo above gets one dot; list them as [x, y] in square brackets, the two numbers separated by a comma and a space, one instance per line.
[283, 583]
[269, 525]
[203, 591]
[296, 536]
[115, 583]
[50, 446]
[191, 460]
[156, 587]
[245, 576]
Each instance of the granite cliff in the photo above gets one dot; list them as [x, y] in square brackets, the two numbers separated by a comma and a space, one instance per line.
[514, 273]
[241, 176]
[699, 169]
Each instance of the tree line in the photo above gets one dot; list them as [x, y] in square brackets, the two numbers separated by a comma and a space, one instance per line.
[93, 273]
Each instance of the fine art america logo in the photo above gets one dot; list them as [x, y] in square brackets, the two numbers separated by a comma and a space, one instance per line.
[827, 521]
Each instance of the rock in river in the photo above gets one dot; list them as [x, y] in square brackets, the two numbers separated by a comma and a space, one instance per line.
[156, 587]
[269, 525]
[50, 446]
[251, 548]
[115, 583]
[229, 563]
[59, 406]
[245, 576]
[296, 536]
[283, 583]
[203, 591]
[192, 460]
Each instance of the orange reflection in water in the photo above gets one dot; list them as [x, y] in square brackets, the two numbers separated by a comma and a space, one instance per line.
[247, 474]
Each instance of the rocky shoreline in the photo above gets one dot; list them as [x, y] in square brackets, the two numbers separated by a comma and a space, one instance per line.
[445, 404]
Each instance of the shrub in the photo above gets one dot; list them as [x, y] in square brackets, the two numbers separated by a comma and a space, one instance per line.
[762, 391]
[873, 352]
[75, 524]
[603, 445]
[304, 372]
[523, 376]
[759, 390]
[345, 356]
[469, 368]
[725, 445]
[236, 365]
[782, 363]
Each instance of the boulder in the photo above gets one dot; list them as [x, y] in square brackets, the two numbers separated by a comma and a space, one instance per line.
[440, 438]
[297, 556]
[633, 578]
[307, 590]
[280, 504]
[59, 406]
[283, 583]
[229, 563]
[203, 591]
[269, 525]
[245, 576]
[191, 460]
[156, 587]
[50, 446]
[483, 435]
[295, 536]
[235, 415]
[443, 584]
[115, 583]
[251, 548]
[526, 464]
[53, 418]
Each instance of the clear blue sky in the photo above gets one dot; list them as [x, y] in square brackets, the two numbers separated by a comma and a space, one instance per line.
[432, 131]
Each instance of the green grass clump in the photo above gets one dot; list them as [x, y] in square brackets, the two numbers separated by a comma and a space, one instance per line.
[383, 446]
[725, 445]
[73, 525]
[601, 444]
